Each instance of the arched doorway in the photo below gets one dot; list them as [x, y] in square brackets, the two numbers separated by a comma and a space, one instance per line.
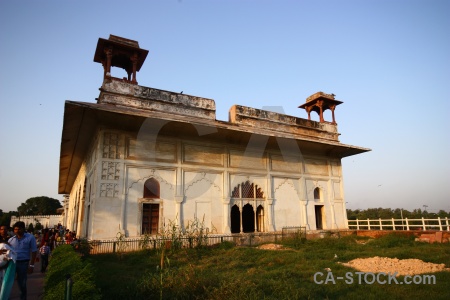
[248, 218]
[235, 219]
[150, 209]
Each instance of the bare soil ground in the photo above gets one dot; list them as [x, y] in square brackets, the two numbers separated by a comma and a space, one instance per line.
[391, 265]
[272, 247]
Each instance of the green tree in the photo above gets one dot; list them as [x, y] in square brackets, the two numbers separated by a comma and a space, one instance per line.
[39, 206]
[5, 217]
[443, 214]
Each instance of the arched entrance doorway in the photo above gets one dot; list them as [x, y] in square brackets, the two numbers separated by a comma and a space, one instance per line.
[150, 207]
[243, 216]
[248, 218]
[235, 219]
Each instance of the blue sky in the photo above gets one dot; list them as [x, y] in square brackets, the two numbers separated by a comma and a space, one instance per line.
[388, 61]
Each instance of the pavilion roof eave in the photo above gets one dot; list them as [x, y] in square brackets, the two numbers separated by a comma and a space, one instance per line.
[81, 120]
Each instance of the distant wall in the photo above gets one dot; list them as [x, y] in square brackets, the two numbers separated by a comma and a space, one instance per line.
[47, 221]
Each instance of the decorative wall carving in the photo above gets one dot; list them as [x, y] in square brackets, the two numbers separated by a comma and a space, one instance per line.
[247, 190]
[109, 190]
[110, 170]
[153, 173]
[290, 182]
[111, 145]
[202, 177]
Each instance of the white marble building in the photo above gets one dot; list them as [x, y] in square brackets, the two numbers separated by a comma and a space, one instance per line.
[140, 157]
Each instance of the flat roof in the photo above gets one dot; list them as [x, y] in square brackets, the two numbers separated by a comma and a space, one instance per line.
[81, 119]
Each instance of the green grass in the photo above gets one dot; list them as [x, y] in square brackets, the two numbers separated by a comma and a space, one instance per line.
[226, 272]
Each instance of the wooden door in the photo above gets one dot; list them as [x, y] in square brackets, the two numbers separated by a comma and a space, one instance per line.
[150, 218]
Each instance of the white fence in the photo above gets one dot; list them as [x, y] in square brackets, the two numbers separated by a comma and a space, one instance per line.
[400, 224]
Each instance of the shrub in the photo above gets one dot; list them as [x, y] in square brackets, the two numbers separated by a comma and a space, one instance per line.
[83, 247]
[66, 261]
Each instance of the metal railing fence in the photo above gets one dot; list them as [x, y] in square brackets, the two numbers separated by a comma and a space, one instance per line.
[155, 242]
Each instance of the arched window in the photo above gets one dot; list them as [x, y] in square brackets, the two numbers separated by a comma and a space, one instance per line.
[317, 193]
[151, 188]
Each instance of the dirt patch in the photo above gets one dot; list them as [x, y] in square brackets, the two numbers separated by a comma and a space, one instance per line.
[362, 242]
[272, 247]
[391, 265]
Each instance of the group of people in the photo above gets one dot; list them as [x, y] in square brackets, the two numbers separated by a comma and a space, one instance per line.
[19, 251]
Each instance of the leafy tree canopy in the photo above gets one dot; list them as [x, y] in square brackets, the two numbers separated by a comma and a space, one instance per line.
[5, 217]
[39, 206]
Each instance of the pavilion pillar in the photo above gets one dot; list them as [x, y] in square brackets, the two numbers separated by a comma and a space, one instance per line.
[109, 55]
[241, 207]
[270, 214]
[226, 215]
[134, 60]
[308, 110]
[332, 107]
[319, 104]
[178, 201]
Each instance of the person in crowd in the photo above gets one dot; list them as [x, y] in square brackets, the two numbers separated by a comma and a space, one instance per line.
[24, 244]
[4, 235]
[45, 237]
[52, 240]
[7, 264]
[44, 252]
[38, 237]
[68, 237]
[58, 239]
[61, 231]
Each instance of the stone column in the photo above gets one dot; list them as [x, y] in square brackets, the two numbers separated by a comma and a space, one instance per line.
[320, 105]
[134, 60]
[179, 192]
[108, 61]
[241, 208]
[333, 216]
[178, 201]
[270, 214]
[332, 107]
[308, 110]
[255, 209]
[226, 215]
